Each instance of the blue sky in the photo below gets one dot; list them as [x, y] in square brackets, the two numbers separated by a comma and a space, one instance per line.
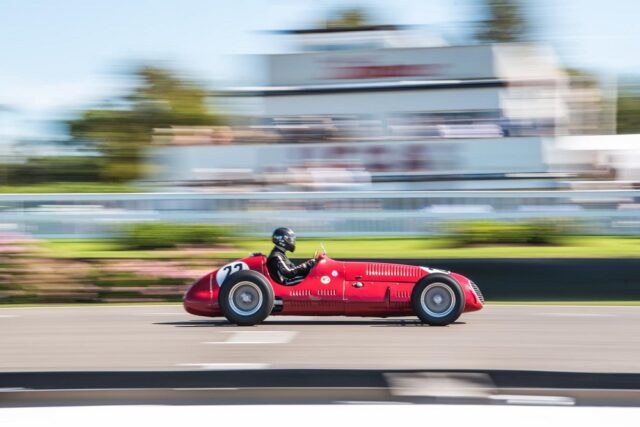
[58, 56]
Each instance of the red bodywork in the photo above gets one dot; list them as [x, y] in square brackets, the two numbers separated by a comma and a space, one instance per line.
[329, 289]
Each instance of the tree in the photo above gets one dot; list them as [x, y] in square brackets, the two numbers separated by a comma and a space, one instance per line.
[348, 18]
[123, 128]
[505, 22]
[628, 104]
[628, 116]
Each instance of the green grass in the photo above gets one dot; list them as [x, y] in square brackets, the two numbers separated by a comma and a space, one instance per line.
[572, 247]
[69, 187]
[97, 249]
[424, 248]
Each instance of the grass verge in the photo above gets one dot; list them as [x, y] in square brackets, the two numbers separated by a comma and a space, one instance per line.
[362, 247]
[68, 187]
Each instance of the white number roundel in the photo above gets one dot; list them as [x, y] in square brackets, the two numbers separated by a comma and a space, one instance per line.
[229, 269]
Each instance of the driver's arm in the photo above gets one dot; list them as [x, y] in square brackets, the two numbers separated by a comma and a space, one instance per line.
[290, 271]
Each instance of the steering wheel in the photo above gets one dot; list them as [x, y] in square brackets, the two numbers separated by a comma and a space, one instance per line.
[320, 254]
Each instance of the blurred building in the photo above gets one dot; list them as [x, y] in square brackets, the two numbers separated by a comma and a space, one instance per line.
[365, 84]
[406, 110]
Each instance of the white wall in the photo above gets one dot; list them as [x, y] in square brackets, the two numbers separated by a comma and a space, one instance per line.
[385, 102]
[498, 155]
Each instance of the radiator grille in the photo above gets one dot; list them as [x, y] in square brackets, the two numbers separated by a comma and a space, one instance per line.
[375, 270]
[476, 290]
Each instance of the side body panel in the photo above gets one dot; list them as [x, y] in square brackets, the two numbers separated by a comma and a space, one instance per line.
[380, 289]
[321, 293]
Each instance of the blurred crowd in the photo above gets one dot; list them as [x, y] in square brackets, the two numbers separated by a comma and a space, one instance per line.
[397, 127]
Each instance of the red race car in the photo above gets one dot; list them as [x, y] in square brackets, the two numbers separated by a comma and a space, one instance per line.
[243, 292]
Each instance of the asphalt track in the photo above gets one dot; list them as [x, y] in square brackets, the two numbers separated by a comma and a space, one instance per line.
[164, 337]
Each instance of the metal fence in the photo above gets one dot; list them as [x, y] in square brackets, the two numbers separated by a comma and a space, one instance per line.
[318, 213]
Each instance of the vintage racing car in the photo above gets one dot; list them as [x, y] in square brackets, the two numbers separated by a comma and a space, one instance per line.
[243, 292]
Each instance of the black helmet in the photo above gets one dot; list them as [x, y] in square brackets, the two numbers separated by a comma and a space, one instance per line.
[285, 238]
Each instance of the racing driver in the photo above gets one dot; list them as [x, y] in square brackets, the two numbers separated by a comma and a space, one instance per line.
[280, 267]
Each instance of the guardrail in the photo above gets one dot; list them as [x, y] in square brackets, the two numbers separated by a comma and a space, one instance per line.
[338, 195]
[317, 213]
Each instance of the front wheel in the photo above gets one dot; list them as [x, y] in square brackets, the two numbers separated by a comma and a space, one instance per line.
[246, 298]
[437, 299]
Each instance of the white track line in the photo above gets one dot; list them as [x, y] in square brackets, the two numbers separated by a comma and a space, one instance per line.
[161, 314]
[225, 366]
[542, 306]
[516, 399]
[258, 337]
[575, 315]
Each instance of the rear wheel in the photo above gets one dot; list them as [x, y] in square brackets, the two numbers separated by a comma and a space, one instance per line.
[437, 299]
[246, 298]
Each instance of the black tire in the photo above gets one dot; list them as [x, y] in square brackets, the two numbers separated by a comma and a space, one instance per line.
[252, 286]
[437, 299]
